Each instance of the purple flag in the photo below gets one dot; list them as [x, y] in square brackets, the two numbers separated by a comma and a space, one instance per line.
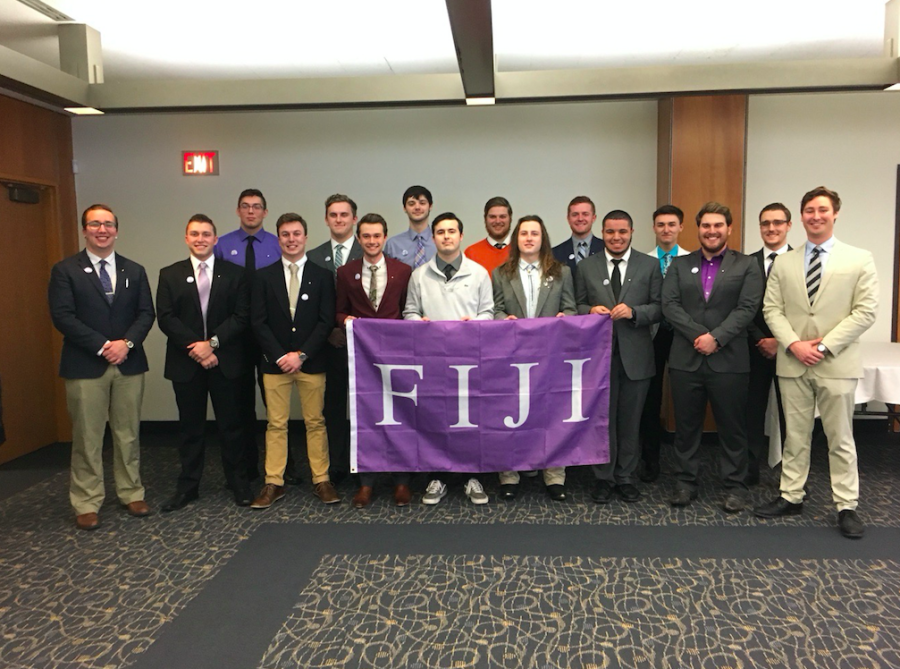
[479, 396]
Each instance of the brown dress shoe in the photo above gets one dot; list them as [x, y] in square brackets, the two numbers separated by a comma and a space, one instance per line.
[87, 521]
[402, 495]
[362, 497]
[269, 494]
[325, 491]
[138, 509]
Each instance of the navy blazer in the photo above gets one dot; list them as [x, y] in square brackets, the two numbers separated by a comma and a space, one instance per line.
[79, 310]
[565, 252]
[181, 320]
[270, 316]
[321, 255]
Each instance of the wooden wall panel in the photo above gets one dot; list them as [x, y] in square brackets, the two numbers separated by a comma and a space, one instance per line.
[701, 148]
[36, 149]
[707, 158]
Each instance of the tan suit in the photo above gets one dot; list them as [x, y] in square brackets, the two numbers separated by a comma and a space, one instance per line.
[845, 306]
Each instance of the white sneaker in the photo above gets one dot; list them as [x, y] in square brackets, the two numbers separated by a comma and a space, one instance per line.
[434, 493]
[475, 492]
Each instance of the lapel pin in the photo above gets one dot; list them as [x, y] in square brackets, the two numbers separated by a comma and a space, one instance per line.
[694, 270]
[190, 279]
[304, 297]
[88, 270]
[357, 277]
[605, 282]
[126, 283]
[327, 258]
[571, 256]
[405, 252]
[234, 252]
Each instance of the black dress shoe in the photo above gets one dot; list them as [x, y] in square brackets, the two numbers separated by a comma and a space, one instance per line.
[850, 525]
[649, 472]
[508, 491]
[243, 496]
[557, 492]
[602, 492]
[733, 503]
[628, 492]
[682, 497]
[777, 508]
[179, 500]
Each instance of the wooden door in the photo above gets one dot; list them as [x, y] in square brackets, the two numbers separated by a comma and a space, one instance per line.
[28, 362]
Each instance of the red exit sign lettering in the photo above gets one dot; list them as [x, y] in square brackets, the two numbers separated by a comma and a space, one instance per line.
[199, 163]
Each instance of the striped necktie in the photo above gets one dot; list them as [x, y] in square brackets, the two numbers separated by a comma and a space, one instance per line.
[814, 274]
[582, 252]
[420, 251]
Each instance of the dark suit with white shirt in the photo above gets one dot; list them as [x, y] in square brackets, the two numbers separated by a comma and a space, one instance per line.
[567, 255]
[337, 380]
[632, 365]
[228, 319]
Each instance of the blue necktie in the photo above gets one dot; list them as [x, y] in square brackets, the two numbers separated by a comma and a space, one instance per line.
[106, 282]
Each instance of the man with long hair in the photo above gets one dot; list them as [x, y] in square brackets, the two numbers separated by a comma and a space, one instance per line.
[533, 284]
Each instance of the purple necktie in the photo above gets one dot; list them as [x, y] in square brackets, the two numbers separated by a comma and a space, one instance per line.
[203, 289]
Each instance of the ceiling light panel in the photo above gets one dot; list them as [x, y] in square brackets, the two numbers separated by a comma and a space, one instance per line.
[268, 38]
[592, 33]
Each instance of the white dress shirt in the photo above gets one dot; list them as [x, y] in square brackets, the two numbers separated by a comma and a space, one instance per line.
[287, 273]
[531, 284]
[346, 245]
[767, 261]
[380, 279]
[195, 261]
[110, 266]
[826, 247]
[623, 266]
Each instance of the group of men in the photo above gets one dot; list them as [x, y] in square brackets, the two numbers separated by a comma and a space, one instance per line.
[255, 308]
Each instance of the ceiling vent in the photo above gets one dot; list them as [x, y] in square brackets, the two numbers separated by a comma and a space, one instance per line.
[46, 10]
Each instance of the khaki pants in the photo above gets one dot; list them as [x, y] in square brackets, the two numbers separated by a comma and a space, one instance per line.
[92, 402]
[311, 388]
[835, 398]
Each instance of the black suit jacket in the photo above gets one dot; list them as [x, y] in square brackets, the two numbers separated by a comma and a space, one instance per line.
[276, 332]
[321, 255]
[758, 329]
[565, 252]
[735, 298]
[79, 310]
[180, 318]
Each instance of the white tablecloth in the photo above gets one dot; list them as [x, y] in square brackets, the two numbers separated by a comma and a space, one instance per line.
[880, 383]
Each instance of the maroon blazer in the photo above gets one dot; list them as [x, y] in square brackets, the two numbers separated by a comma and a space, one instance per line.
[352, 300]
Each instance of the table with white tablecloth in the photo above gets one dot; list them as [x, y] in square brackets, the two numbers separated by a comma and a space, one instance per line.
[880, 383]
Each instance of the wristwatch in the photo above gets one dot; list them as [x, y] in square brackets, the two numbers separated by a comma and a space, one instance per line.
[128, 343]
[303, 356]
[214, 342]
[821, 348]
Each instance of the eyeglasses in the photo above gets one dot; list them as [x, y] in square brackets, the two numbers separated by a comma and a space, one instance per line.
[246, 206]
[96, 225]
[772, 224]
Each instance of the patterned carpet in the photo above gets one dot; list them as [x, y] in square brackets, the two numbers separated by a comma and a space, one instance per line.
[527, 584]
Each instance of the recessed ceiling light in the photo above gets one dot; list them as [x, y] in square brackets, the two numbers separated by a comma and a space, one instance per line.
[474, 102]
[83, 111]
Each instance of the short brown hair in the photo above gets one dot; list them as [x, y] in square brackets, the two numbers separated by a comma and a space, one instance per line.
[104, 207]
[290, 217]
[370, 219]
[339, 197]
[822, 191]
[582, 199]
[201, 218]
[497, 202]
[776, 206]
[714, 208]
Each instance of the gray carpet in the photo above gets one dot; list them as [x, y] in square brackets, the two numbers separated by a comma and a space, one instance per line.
[526, 584]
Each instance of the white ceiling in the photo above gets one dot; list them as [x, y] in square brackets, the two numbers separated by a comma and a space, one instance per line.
[220, 53]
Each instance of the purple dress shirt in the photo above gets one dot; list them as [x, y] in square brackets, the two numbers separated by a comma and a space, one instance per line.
[708, 271]
[233, 248]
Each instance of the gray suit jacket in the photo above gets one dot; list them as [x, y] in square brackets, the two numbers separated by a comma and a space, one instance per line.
[321, 255]
[554, 296]
[641, 291]
[735, 298]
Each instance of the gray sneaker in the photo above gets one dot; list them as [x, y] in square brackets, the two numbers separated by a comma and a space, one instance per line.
[434, 493]
[475, 492]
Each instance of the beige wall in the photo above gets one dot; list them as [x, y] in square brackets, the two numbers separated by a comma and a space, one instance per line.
[848, 142]
[538, 156]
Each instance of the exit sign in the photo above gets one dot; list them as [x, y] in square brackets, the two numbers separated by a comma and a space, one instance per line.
[200, 163]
